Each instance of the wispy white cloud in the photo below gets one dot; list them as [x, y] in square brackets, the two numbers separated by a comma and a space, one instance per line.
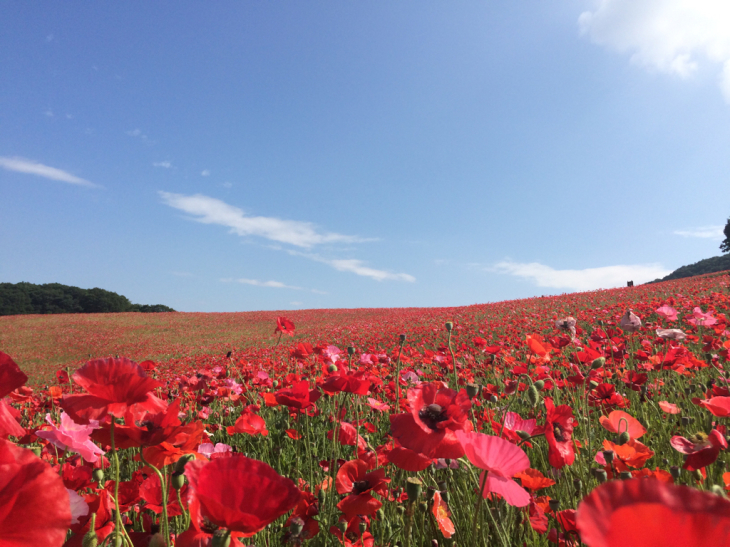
[29, 167]
[587, 279]
[671, 36]
[205, 173]
[209, 210]
[704, 232]
[163, 164]
[357, 267]
[257, 283]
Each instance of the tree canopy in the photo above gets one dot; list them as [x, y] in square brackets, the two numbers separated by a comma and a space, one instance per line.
[725, 245]
[28, 298]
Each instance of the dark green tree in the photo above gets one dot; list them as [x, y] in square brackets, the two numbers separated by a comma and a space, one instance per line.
[725, 245]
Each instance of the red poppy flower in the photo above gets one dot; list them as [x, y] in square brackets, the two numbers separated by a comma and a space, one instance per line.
[347, 381]
[354, 479]
[718, 406]
[619, 421]
[408, 460]
[284, 326]
[186, 440]
[151, 492]
[652, 514]
[113, 386]
[442, 515]
[701, 451]
[11, 377]
[436, 412]
[34, 504]
[559, 434]
[249, 423]
[298, 396]
[533, 480]
[238, 493]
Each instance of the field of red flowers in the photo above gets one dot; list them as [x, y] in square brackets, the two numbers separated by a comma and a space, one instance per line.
[595, 418]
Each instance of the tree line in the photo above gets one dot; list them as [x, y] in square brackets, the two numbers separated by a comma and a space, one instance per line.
[28, 298]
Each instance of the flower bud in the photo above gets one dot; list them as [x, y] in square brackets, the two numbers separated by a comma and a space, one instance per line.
[380, 514]
[275, 383]
[718, 490]
[598, 362]
[697, 474]
[524, 435]
[449, 326]
[472, 390]
[533, 396]
[221, 538]
[332, 368]
[413, 488]
[540, 385]
[180, 464]
[493, 398]
[158, 540]
[593, 384]
[178, 480]
[90, 539]
[675, 472]
[320, 496]
[350, 350]
[624, 438]
[97, 475]
[36, 450]
[442, 486]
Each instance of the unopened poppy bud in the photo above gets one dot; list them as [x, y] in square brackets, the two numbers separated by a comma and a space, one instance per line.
[296, 526]
[625, 475]
[697, 474]
[221, 538]
[380, 513]
[442, 486]
[180, 464]
[524, 435]
[540, 385]
[593, 384]
[320, 496]
[675, 472]
[472, 390]
[413, 488]
[608, 455]
[332, 368]
[554, 505]
[178, 480]
[449, 326]
[533, 396]
[158, 540]
[350, 350]
[601, 475]
[36, 450]
[402, 337]
[493, 398]
[275, 383]
[718, 490]
[98, 475]
[624, 438]
[598, 362]
[90, 539]
[119, 541]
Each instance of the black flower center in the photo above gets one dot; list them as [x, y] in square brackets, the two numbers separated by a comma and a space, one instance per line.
[431, 415]
[359, 487]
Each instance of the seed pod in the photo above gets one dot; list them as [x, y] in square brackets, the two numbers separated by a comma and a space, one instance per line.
[342, 525]
[296, 526]
[350, 350]
[97, 475]
[90, 539]
[608, 456]
[625, 475]
[402, 337]
[554, 505]
[675, 472]
[472, 390]
[449, 326]
[221, 538]
[413, 488]
[601, 475]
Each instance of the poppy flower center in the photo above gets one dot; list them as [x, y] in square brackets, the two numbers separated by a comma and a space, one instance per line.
[431, 415]
[359, 487]
[558, 432]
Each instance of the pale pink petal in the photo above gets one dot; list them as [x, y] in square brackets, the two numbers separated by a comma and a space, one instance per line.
[512, 492]
[79, 507]
[492, 453]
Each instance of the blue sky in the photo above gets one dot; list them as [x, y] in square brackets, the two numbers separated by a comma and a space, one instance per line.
[235, 156]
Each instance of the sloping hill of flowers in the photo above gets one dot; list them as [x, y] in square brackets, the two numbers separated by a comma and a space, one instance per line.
[597, 417]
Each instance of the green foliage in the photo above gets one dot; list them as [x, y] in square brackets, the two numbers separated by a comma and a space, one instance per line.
[725, 245]
[706, 266]
[27, 298]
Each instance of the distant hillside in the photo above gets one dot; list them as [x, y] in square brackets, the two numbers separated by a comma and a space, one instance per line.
[27, 298]
[708, 265]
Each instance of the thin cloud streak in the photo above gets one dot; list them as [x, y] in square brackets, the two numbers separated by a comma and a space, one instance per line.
[703, 232]
[257, 283]
[357, 267]
[587, 279]
[207, 210]
[28, 167]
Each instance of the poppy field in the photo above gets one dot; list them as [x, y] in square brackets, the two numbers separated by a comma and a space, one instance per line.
[596, 419]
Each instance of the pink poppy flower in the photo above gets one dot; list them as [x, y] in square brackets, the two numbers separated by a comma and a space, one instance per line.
[671, 334]
[72, 437]
[701, 450]
[500, 460]
[669, 408]
[702, 319]
[630, 322]
[378, 405]
[208, 449]
[667, 312]
[619, 421]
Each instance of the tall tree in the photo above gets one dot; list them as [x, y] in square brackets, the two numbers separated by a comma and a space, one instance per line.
[725, 245]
